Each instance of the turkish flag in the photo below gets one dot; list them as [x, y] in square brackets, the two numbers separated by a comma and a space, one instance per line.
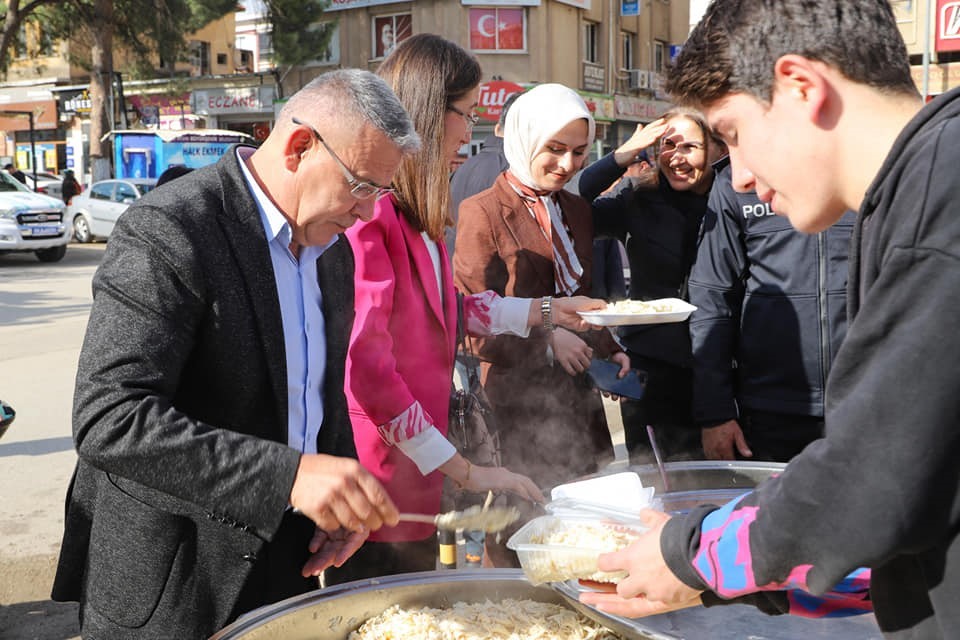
[483, 29]
[510, 29]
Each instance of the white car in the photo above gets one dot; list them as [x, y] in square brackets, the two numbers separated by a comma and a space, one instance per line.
[47, 183]
[31, 221]
[94, 212]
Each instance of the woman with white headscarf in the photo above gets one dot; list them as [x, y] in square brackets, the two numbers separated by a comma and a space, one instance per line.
[527, 237]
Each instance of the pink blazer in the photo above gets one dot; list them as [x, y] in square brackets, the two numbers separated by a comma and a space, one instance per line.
[401, 350]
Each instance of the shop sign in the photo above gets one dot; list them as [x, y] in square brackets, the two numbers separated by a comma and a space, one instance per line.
[74, 102]
[629, 7]
[638, 109]
[162, 105]
[339, 5]
[948, 25]
[44, 115]
[593, 77]
[582, 4]
[940, 77]
[600, 105]
[233, 101]
[492, 97]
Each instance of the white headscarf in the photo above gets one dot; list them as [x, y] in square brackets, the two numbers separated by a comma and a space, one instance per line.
[533, 118]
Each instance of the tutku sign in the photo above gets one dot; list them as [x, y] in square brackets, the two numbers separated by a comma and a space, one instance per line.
[948, 25]
[492, 97]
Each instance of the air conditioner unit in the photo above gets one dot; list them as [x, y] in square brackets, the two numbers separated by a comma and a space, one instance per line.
[639, 79]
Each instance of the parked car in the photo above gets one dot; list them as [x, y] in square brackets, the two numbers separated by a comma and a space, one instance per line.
[47, 183]
[94, 212]
[31, 221]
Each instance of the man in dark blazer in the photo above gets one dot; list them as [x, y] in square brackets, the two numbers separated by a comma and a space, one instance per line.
[190, 503]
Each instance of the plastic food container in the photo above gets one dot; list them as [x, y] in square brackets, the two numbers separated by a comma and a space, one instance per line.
[542, 562]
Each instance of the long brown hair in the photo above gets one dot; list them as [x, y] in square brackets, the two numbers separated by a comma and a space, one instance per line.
[427, 73]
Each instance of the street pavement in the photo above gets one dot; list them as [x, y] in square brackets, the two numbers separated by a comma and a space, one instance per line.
[43, 317]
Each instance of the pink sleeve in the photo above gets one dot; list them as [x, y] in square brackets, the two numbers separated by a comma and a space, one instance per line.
[374, 384]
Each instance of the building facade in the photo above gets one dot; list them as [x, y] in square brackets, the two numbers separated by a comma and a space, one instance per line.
[612, 51]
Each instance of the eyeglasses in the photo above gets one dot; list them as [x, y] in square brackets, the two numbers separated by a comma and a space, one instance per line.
[684, 148]
[359, 189]
[471, 118]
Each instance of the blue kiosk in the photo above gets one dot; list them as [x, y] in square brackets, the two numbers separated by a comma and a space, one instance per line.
[142, 153]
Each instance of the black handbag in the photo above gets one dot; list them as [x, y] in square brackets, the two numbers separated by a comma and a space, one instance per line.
[472, 426]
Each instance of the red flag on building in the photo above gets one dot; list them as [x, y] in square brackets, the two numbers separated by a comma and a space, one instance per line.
[510, 28]
[496, 29]
[483, 29]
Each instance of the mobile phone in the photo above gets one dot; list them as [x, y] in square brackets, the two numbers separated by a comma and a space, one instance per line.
[602, 375]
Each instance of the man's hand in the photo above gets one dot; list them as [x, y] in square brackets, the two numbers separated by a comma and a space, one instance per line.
[565, 311]
[570, 351]
[338, 493]
[718, 441]
[650, 587]
[331, 549]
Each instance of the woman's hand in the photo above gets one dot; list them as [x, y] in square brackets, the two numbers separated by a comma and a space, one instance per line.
[642, 137]
[502, 479]
[622, 359]
[565, 311]
[570, 351]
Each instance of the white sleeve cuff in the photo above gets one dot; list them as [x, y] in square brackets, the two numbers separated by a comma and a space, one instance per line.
[428, 449]
[510, 315]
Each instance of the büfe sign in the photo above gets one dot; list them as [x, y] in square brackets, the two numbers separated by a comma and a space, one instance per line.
[492, 97]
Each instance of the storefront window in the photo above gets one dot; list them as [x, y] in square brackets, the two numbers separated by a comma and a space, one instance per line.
[389, 31]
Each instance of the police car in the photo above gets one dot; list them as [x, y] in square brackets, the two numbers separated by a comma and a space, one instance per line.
[31, 221]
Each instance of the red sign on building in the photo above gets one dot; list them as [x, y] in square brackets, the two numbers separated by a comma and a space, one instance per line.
[492, 97]
[948, 25]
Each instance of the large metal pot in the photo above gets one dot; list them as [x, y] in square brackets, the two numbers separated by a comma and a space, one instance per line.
[330, 614]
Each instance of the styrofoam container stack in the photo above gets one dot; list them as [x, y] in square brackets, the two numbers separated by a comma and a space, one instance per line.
[618, 497]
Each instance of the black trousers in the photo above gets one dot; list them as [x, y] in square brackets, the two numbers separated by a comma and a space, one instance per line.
[384, 559]
[778, 437]
[276, 570]
[666, 407]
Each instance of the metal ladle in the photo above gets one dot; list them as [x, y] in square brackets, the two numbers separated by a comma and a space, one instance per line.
[474, 518]
[656, 454]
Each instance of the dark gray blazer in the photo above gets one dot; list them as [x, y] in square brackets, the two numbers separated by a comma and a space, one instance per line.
[180, 411]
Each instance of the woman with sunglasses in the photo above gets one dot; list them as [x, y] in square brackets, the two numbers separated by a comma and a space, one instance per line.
[659, 223]
[401, 356]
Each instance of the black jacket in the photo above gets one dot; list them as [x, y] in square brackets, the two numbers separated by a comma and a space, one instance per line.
[180, 412]
[770, 308]
[882, 489]
[658, 227]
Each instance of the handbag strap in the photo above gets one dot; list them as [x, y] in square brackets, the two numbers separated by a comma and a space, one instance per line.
[470, 360]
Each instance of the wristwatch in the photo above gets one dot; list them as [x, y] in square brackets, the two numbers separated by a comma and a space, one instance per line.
[546, 311]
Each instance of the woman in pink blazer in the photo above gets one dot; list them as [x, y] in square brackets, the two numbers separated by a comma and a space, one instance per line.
[401, 357]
